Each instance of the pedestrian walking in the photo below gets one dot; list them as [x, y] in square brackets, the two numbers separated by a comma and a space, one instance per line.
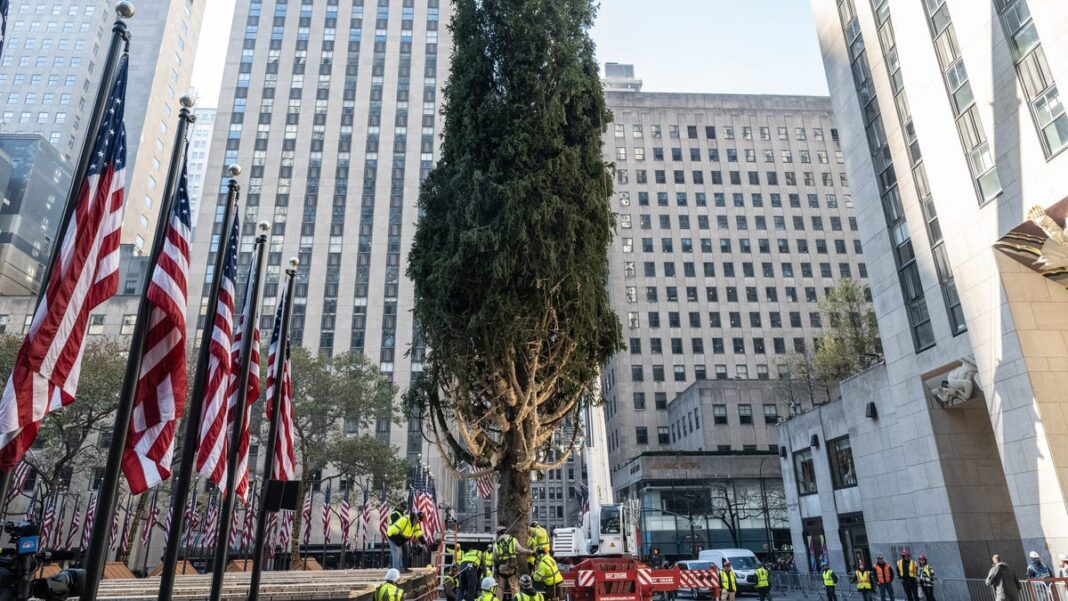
[884, 577]
[865, 581]
[926, 578]
[908, 572]
[1003, 581]
[830, 582]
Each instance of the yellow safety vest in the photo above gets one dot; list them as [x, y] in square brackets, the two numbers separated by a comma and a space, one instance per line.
[541, 537]
[864, 580]
[727, 580]
[828, 577]
[505, 547]
[547, 571]
[903, 573]
[521, 596]
[387, 591]
[762, 578]
[486, 596]
[404, 527]
[474, 556]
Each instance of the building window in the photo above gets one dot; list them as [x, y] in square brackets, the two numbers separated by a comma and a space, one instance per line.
[745, 414]
[663, 435]
[96, 324]
[719, 414]
[771, 413]
[642, 435]
[805, 472]
[128, 323]
[843, 472]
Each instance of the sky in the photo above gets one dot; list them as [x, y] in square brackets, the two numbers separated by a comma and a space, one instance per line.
[724, 46]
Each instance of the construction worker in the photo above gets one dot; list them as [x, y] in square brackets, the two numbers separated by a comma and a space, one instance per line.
[539, 537]
[547, 574]
[401, 532]
[470, 573]
[1037, 569]
[451, 584]
[526, 590]
[489, 590]
[728, 582]
[763, 582]
[926, 578]
[830, 581]
[506, 562]
[487, 561]
[1062, 570]
[884, 577]
[908, 571]
[864, 581]
[388, 590]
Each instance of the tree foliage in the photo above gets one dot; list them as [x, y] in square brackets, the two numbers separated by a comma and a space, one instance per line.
[69, 439]
[849, 344]
[509, 260]
[336, 400]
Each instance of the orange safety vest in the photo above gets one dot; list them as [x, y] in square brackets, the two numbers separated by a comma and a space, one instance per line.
[909, 572]
[883, 575]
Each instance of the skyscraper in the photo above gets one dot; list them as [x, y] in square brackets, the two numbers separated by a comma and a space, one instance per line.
[734, 219]
[199, 147]
[954, 133]
[50, 71]
[332, 110]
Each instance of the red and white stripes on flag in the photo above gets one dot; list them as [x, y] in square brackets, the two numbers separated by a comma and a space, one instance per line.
[305, 516]
[383, 517]
[285, 461]
[49, 518]
[484, 484]
[272, 533]
[150, 519]
[45, 374]
[87, 523]
[344, 517]
[285, 531]
[18, 481]
[326, 515]
[211, 451]
[75, 524]
[365, 517]
[249, 525]
[252, 392]
[160, 398]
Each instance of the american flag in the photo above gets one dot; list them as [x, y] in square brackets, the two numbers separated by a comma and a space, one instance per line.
[160, 398]
[45, 374]
[484, 484]
[87, 527]
[210, 520]
[31, 507]
[326, 515]
[49, 518]
[344, 517]
[57, 533]
[285, 462]
[365, 517]
[22, 471]
[425, 502]
[167, 516]
[234, 538]
[74, 525]
[114, 529]
[3, 23]
[191, 519]
[247, 529]
[383, 516]
[127, 523]
[305, 516]
[285, 531]
[253, 390]
[272, 532]
[150, 519]
[211, 454]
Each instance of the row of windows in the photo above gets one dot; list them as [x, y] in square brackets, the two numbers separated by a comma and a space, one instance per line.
[767, 270]
[748, 154]
[756, 200]
[697, 345]
[641, 176]
[840, 460]
[745, 245]
[678, 372]
[656, 132]
[741, 222]
[734, 320]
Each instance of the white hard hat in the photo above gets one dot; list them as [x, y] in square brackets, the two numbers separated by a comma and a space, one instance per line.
[1033, 555]
[392, 575]
[488, 583]
[1063, 557]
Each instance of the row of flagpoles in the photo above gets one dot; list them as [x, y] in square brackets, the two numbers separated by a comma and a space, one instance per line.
[81, 274]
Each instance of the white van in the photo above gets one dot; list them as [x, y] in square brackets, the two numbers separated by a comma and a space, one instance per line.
[743, 562]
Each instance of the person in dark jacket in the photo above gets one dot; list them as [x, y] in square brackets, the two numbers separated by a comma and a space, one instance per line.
[1003, 581]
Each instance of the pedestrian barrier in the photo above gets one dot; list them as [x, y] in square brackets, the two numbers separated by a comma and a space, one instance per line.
[810, 586]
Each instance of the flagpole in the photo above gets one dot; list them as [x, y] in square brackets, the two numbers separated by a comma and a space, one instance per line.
[222, 541]
[150, 526]
[109, 484]
[280, 356]
[195, 410]
[120, 41]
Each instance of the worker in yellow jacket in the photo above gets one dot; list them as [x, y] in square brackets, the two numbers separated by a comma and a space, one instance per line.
[547, 576]
[401, 532]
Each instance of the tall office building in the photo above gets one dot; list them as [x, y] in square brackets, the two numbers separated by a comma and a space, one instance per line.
[954, 134]
[734, 218]
[199, 147]
[50, 72]
[332, 109]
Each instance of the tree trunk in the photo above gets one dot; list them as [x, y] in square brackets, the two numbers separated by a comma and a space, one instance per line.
[513, 497]
[296, 535]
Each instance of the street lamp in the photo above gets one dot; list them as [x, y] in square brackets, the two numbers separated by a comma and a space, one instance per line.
[764, 505]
